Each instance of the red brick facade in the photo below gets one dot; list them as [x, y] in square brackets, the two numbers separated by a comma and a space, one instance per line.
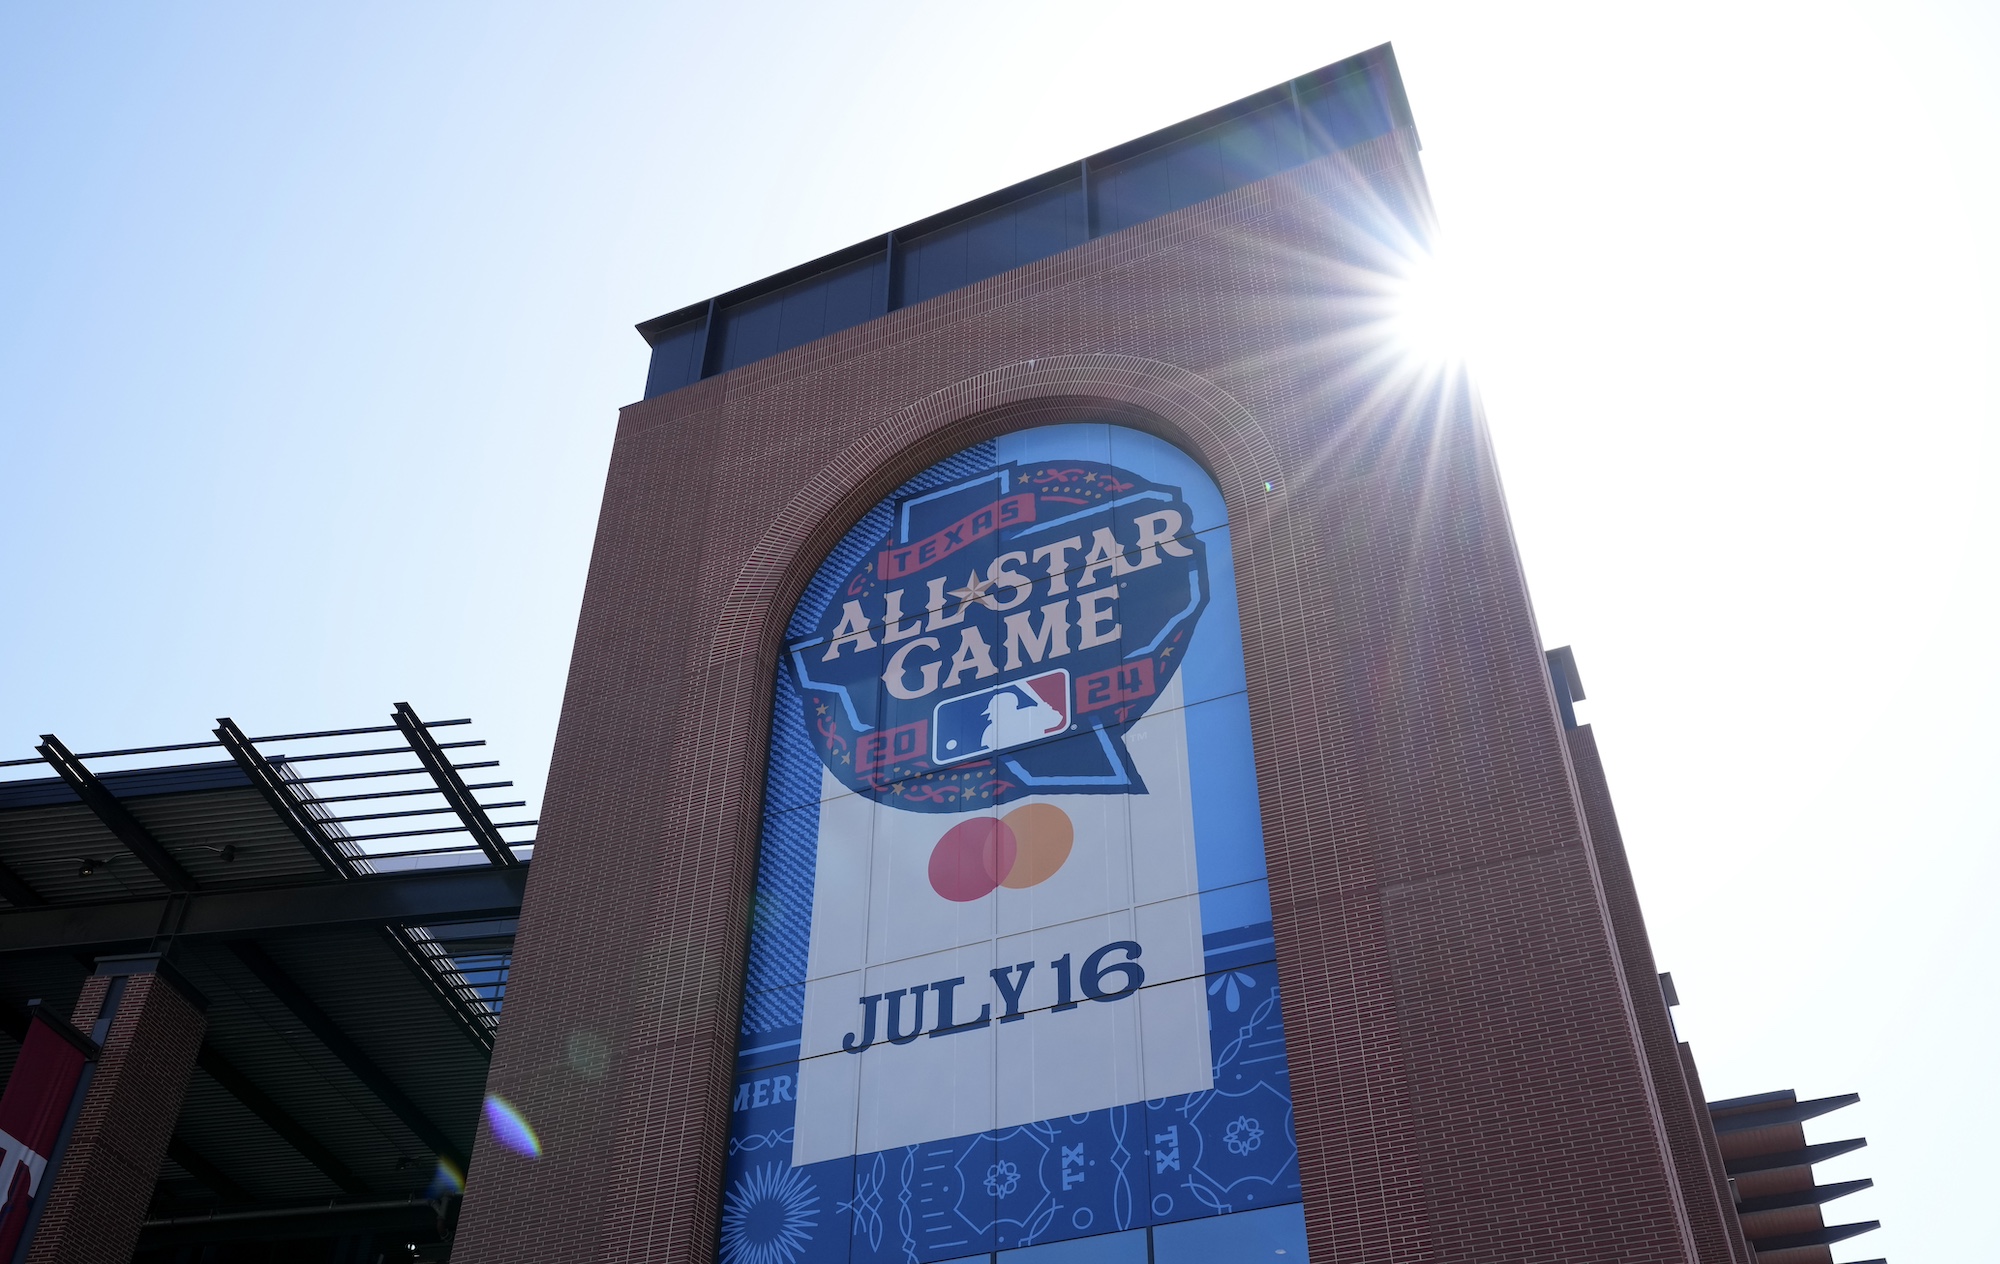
[1470, 1078]
[129, 1111]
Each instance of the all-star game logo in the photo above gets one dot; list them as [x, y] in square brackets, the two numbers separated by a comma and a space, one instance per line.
[1001, 637]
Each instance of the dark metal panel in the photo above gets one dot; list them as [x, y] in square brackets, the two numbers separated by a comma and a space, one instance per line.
[46, 846]
[270, 1046]
[226, 838]
[1815, 1237]
[360, 981]
[660, 326]
[1792, 1113]
[1793, 1158]
[1568, 689]
[227, 1133]
[281, 798]
[1813, 1196]
[477, 1028]
[120, 822]
[416, 896]
[1755, 1099]
[18, 893]
[343, 1047]
[127, 784]
[225, 1073]
[206, 1172]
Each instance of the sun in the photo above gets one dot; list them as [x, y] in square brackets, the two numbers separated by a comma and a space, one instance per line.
[1433, 317]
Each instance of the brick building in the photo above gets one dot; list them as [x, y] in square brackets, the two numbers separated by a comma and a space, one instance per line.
[1479, 1061]
[1068, 626]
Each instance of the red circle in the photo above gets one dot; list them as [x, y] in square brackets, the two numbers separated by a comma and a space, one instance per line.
[972, 858]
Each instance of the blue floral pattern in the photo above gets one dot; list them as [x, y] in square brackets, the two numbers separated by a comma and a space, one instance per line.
[1230, 1148]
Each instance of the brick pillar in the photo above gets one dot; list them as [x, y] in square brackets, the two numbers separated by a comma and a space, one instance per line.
[150, 1024]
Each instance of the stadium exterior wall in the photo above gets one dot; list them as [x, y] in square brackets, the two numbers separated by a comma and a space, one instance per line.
[1469, 1075]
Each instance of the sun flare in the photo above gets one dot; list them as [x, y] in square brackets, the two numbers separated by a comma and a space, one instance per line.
[1433, 316]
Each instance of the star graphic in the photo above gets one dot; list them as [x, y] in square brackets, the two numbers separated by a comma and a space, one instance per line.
[974, 589]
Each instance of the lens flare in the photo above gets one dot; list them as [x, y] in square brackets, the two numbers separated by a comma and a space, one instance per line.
[1433, 315]
[448, 1179]
[510, 1129]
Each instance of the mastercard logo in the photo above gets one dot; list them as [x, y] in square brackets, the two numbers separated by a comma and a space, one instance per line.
[1018, 850]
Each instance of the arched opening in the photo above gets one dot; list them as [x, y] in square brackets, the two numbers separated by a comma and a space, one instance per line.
[1010, 904]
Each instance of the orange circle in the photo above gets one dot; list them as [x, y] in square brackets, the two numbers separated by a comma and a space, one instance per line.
[1042, 836]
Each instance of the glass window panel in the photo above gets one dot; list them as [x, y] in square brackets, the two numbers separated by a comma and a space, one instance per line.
[1196, 168]
[819, 305]
[673, 364]
[1345, 112]
[1050, 222]
[1106, 1248]
[749, 331]
[853, 296]
[802, 313]
[1022, 231]
[1133, 191]
[933, 265]
[1275, 1234]
[1259, 144]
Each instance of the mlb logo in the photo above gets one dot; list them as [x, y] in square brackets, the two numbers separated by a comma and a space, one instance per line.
[1004, 716]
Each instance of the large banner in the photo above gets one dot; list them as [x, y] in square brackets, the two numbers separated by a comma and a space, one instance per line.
[39, 1092]
[1010, 977]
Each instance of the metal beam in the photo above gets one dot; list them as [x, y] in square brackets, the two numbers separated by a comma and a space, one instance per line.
[432, 895]
[462, 1018]
[259, 1103]
[18, 893]
[455, 792]
[342, 1046]
[1793, 1158]
[1790, 1113]
[1815, 1237]
[207, 1172]
[304, 826]
[408, 1218]
[123, 825]
[1812, 1196]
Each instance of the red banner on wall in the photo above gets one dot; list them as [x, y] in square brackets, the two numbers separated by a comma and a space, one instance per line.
[32, 1110]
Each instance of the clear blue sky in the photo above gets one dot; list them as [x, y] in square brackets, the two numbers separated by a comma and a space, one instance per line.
[314, 323]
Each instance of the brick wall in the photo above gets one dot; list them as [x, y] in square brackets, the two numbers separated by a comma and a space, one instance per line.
[98, 1202]
[1468, 1077]
[1684, 1114]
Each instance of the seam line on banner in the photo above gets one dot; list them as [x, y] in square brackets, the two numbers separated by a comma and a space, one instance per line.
[1217, 952]
[1194, 599]
[1094, 509]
